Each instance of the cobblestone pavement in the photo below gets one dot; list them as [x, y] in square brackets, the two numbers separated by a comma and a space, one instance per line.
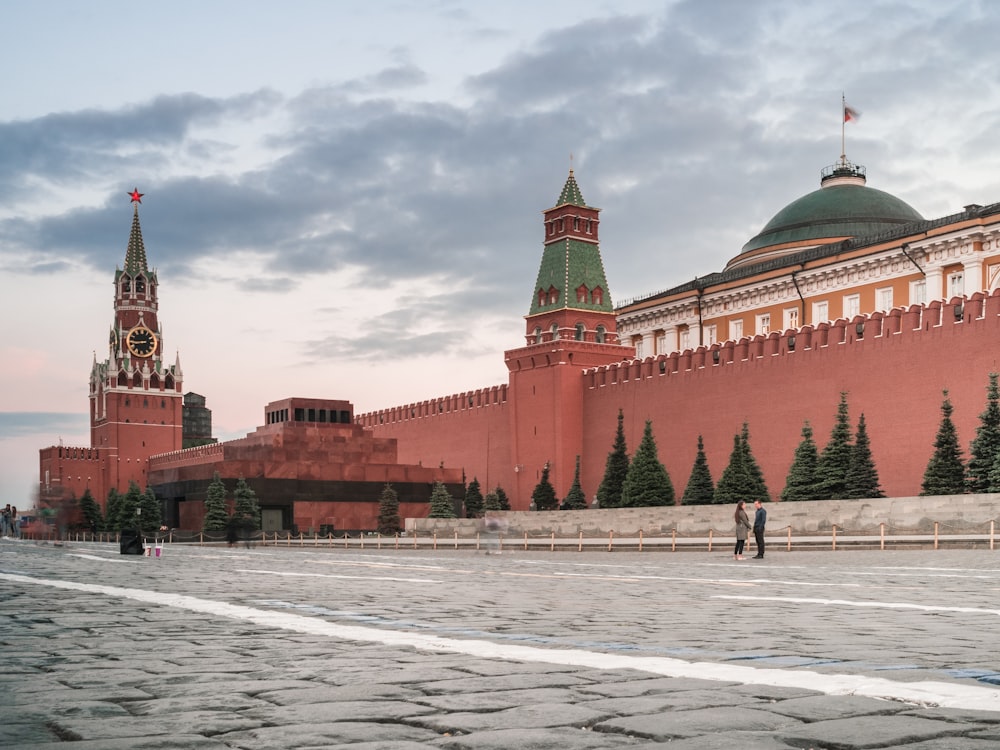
[212, 647]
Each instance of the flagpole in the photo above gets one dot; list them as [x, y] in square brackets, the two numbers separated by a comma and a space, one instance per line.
[843, 123]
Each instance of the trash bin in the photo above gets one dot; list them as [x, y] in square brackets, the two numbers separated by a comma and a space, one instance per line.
[131, 542]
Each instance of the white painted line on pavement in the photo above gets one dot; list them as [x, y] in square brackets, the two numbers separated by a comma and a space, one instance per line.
[872, 605]
[925, 692]
[332, 575]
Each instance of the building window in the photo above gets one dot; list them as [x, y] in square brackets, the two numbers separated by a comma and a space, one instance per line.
[993, 276]
[683, 338]
[821, 312]
[589, 227]
[852, 305]
[598, 295]
[555, 331]
[711, 334]
[764, 324]
[637, 343]
[600, 336]
[576, 224]
[538, 335]
[883, 299]
[918, 292]
[581, 293]
[956, 284]
[791, 317]
[578, 335]
[735, 329]
[659, 342]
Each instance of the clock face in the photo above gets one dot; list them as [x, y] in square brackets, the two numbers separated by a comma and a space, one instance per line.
[141, 342]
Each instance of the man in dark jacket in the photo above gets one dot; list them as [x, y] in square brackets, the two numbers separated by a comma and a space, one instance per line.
[759, 521]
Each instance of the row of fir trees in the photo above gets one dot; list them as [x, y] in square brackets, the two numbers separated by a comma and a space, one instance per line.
[123, 510]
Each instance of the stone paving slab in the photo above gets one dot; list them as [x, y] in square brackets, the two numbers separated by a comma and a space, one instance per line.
[876, 732]
[670, 725]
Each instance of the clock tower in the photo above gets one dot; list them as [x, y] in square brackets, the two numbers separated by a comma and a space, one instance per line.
[136, 399]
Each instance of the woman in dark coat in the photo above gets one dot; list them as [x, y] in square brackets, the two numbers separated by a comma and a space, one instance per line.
[742, 527]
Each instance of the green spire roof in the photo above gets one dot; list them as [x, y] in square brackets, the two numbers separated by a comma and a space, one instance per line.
[135, 255]
[571, 192]
[569, 266]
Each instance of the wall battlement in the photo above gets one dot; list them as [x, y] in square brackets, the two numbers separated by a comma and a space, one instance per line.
[460, 402]
[900, 322]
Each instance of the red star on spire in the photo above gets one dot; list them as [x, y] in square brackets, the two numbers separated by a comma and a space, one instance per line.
[136, 195]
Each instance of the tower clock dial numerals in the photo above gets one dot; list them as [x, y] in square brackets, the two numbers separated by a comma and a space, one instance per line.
[141, 342]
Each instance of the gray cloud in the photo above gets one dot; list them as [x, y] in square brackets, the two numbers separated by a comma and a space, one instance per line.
[690, 130]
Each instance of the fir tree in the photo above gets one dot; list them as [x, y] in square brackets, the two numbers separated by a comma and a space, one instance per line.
[575, 499]
[152, 511]
[473, 500]
[216, 516]
[128, 518]
[388, 522]
[647, 482]
[113, 511]
[862, 477]
[544, 494]
[442, 503]
[986, 446]
[700, 490]
[734, 483]
[755, 477]
[945, 474]
[491, 501]
[246, 509]
[800, 484]
[835, 460]
[609, 493]
[91, 511]
[502, 498]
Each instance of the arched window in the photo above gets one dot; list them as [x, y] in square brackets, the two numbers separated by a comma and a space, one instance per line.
[541, 297]
[555, 331]
[140, 285]
[553, 295]
[538, 334]
[598, 296]
[126, 284]
[582, 293]
[576, 224]
[578, 335]
[600, 336]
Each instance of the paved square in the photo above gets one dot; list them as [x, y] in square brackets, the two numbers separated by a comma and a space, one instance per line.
[212, 647]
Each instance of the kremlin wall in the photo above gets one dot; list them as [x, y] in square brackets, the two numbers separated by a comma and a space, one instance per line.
[893, 367]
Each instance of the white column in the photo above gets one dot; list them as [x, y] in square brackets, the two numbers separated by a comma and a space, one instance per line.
[973, 271]
[935, 288]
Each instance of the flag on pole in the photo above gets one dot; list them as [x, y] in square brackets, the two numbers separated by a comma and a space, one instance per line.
[851, 114]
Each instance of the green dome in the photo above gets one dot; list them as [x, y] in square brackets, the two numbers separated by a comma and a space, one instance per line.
[842, 207]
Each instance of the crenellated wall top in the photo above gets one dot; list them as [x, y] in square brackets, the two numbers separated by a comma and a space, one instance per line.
[484, 397]
[912, 320]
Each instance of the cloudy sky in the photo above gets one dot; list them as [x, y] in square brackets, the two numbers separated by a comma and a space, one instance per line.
[342, 198]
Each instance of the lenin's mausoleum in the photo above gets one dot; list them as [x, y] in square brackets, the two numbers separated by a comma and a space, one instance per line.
[845, 290]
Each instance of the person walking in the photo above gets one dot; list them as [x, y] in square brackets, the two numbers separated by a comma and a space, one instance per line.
[742, 527]
[759, 521]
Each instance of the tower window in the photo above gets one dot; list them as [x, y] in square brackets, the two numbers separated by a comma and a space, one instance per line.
[555, 331]
[581, 293]
[600, 336]
[560, 225]
[598, 296]
[541, 297]
[538, 334]
[576, 224]
[589, 227]
[579, 332]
